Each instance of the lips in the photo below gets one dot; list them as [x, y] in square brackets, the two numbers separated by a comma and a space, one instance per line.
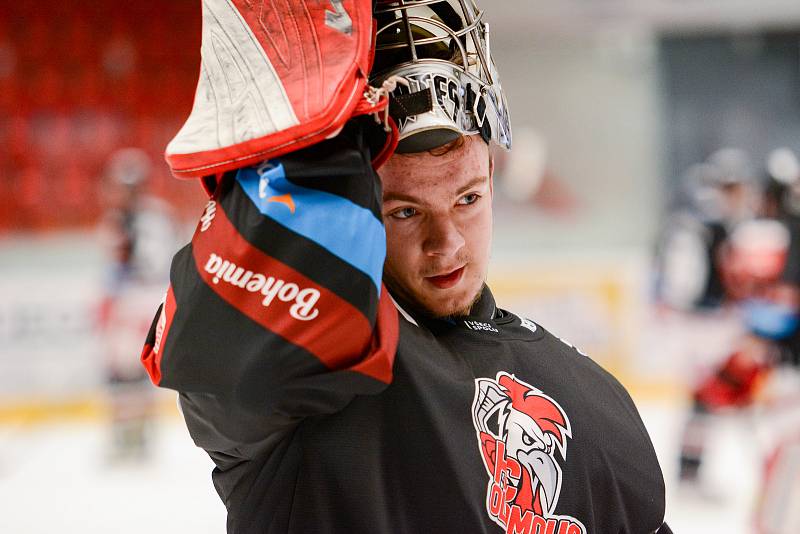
[447, 280]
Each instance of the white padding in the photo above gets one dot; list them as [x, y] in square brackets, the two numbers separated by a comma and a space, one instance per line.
[239, 95]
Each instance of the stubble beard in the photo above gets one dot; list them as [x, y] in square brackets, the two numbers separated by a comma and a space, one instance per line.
[466, 310]
[408, 297]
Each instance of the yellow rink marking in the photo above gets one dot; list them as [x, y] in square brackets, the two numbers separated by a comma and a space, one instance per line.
[94, 407]
[87, 408]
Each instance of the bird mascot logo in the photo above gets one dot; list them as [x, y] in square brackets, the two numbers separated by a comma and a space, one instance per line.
[519, 430]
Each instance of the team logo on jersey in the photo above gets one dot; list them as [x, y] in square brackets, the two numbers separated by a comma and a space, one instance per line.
[521, 431]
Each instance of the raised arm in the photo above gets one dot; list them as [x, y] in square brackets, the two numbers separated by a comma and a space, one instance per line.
[277, 306]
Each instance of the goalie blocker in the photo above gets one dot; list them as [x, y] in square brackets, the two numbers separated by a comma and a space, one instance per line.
[275, 78]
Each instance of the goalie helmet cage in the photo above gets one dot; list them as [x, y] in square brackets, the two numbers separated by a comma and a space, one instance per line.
[441, 49]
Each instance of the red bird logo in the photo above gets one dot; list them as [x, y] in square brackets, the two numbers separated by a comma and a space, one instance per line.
[519, 431]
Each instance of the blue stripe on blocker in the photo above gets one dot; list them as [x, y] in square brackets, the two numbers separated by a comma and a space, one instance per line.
[343, 228]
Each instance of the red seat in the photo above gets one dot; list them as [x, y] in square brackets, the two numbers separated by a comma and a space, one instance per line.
[89, 77]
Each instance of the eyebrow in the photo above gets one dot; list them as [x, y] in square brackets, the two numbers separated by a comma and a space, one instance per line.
[409, 198]
[472, 183]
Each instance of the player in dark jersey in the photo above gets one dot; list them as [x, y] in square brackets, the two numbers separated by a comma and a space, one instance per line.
[336, 349]
[759, 268]
[139, 235]
[715, 196]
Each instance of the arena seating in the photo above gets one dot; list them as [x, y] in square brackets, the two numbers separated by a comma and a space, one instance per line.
[70, 95]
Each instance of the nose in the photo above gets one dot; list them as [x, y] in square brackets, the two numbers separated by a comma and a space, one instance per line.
[443, 237]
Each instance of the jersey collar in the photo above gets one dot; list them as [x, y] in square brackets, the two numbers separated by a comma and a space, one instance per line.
[484, 309]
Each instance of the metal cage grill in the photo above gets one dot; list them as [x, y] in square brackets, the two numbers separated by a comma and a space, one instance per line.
[442, 47]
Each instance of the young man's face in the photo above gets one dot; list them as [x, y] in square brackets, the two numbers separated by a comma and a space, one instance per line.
[438, 216]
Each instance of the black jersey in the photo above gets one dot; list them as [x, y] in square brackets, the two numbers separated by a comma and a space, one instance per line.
[689, 275]
[328, 407]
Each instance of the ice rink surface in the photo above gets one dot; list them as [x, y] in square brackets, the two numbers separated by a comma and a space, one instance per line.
[56, 479]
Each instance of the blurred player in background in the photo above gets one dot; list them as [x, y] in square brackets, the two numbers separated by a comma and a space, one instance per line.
[139, 235]
[756, 265]
[715, 197]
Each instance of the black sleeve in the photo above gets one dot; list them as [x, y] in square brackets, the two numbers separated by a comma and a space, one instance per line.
[276, 309]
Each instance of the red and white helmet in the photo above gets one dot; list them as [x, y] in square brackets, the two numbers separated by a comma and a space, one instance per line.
[754, 257]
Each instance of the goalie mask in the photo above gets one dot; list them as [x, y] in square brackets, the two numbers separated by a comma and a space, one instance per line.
[438, 52]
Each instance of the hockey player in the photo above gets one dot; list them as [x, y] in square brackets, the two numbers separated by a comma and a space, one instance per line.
[759, 270]
[715, 197]
[139, 235]
[335, 347]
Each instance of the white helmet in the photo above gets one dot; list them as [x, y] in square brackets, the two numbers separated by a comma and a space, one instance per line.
[448, 86]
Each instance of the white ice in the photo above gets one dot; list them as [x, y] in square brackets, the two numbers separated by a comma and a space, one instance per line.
[55, 479]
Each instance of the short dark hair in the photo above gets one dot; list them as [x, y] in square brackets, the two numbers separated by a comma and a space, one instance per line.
[455, 144]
